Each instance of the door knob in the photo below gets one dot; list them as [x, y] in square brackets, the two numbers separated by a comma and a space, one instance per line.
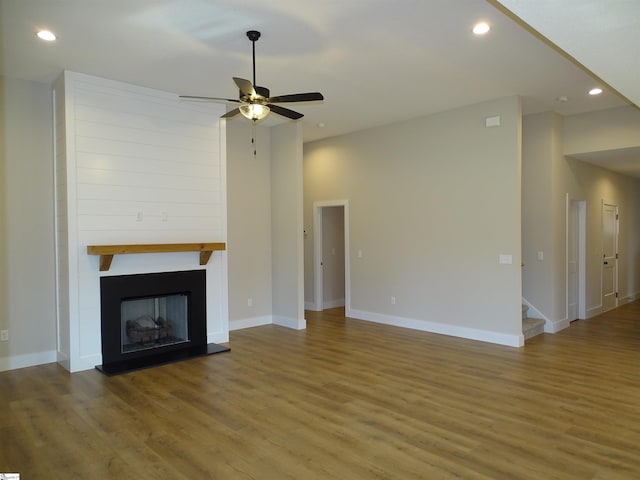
[606, 263]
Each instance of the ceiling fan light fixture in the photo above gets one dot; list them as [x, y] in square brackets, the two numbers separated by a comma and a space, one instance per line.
[254, 111]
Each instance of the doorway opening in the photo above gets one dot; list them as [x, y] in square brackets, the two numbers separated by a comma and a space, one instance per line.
[331, 254]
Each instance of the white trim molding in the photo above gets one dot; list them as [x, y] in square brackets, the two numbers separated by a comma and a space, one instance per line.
[27, 360]
[250, 322]
[440, 328]
[550, 326]
[555, 327]
[296, 324]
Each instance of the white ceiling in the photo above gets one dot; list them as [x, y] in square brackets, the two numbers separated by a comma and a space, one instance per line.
[375, 61]
[603, 35]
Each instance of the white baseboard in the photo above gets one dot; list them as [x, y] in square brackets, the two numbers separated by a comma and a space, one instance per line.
[268, 320]
[632, 297]
[27, 360]
[86, 363]
[440, 328]
[296, 324]
[250, 322]
[217, 337]
[554, 327]
[599, 309]
[339, 302]
[63, 360]
[314, 307]
[593, 312]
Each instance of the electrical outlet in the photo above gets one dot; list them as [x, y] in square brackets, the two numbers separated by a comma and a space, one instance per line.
[4, 335]
[249, 302]
[393, 300]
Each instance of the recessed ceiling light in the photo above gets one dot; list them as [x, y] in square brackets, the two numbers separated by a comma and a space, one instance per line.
[46, 35]
[595, 91]
[481, 28]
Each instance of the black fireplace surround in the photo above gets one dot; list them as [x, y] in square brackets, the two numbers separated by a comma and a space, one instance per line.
[121, 354]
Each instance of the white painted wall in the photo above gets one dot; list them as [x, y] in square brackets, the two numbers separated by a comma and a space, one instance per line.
[610, 129]
[540, 206]
[138, 166]
[433, 203]
[287, 225]
[265, 225]
[249, 225]
[27, 299]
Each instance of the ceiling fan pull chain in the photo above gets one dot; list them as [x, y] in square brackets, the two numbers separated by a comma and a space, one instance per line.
[253, 138]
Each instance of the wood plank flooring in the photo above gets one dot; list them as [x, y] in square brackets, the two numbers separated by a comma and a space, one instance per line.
[345, 399]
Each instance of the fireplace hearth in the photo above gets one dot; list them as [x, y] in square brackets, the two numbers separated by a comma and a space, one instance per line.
[153, 319]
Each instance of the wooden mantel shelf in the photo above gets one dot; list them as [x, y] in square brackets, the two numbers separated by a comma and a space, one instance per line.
[107, 252]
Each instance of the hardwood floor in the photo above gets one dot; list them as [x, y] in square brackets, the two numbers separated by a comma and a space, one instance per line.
[344, 399]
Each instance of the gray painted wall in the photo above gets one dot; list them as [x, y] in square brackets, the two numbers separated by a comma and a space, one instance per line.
[265, 229]
[548, 178]
[249, 225]
[27, 295]
[433, 203]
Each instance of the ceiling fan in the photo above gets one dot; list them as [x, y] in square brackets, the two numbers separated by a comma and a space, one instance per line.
[255, 101]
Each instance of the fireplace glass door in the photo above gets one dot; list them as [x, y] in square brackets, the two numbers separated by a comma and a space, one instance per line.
[152, 318]
[154, 322]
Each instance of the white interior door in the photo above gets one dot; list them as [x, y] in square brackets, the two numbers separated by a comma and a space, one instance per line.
[609, 256]
[572, 262]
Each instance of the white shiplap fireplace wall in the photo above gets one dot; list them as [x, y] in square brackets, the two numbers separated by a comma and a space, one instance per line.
[133, 166]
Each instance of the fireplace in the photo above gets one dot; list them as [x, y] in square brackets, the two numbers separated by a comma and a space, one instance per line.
[152, 319]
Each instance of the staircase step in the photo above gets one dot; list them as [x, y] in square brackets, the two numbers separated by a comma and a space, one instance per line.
[532, 327]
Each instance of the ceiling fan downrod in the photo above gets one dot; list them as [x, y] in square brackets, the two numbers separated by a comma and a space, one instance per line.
[253, 35]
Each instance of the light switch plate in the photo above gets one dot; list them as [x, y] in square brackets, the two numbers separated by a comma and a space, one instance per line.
[505, 259]
[492, 121]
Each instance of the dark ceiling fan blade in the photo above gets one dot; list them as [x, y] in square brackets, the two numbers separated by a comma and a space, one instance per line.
[210, 99]
[245, 86]
[285, 112]
[231, 113]
[297, 97]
